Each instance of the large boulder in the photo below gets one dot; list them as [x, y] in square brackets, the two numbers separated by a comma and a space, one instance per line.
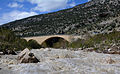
[25, 51]
[1, 53]
[27, 57]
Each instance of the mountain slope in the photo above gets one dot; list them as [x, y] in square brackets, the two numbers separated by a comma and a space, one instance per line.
[96, 16]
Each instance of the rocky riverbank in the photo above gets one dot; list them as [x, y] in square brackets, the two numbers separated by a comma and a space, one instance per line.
[62, 61]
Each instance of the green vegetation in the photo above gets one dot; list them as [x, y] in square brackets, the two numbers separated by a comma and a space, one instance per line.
[61, 44]
[100, 41]
[77, 44]
[9, 41]
[32, 44]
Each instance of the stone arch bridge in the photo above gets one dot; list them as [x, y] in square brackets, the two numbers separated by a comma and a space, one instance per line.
[41, 39]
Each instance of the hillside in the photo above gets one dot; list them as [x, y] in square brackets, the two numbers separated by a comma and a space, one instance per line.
[96, 16]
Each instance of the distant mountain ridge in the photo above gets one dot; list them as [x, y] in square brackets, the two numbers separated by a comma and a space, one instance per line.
[96, 16]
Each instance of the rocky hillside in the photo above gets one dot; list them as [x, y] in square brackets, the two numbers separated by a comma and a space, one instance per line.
[96, 16]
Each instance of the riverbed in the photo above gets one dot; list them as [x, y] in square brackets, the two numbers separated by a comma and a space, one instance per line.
[62, 61]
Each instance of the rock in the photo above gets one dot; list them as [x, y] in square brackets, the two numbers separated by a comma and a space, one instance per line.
[89, 49]
[12, 52]
[110, 61]
[27, 57]
[5, 51]
[74, 62]
[26, 50]
[105, 51]
[8, 52]
[11, 62]
[1, 53]
[98, 51]
[112, 50]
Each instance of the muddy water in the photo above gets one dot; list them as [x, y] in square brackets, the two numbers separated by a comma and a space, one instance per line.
[62, 61]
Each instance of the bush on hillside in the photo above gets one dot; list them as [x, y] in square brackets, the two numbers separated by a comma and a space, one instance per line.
[32, 44]
[99, 41]
[8, 41]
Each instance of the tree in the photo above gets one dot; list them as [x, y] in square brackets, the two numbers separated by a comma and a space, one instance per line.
[32, 44]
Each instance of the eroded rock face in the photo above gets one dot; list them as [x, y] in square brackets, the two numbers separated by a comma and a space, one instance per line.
[27, 57]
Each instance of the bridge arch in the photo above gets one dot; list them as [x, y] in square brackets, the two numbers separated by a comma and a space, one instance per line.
[65, 38]
[55, 42]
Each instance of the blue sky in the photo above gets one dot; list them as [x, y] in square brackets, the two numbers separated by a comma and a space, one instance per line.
[11, 10]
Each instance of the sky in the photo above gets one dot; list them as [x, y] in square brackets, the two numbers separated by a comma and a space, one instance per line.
[11, 10]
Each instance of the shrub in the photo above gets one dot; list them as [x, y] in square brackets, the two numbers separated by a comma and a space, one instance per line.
[77, 44]
[99, 41]
[32, 44]
[9, 41]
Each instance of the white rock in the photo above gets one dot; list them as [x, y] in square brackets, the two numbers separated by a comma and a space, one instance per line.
[76, 62]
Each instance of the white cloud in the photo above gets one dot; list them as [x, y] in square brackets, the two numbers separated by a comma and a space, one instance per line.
[72, 4]
[49, 5]
[15, 5]
[15, 15]
[89, 0]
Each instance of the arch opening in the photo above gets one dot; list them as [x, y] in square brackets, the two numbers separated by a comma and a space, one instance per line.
[55, 42]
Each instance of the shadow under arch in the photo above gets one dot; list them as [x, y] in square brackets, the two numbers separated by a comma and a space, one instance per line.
[55, 42]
